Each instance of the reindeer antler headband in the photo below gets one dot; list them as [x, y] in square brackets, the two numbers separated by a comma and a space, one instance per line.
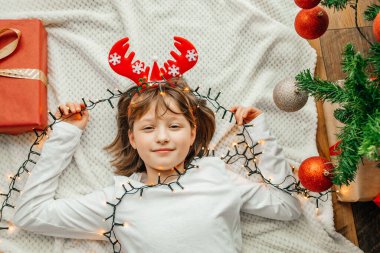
[138, 72]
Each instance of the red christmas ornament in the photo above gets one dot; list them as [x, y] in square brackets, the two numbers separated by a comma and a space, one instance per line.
[311, 23]
[307, 4]
[314, 174]
[376, 27]
[377, 200]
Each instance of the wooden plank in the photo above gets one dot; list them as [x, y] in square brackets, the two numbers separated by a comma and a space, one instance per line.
[333, 43]
[320, 69]
[346, 18]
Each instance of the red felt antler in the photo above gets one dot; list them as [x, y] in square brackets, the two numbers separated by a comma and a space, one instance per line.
[124, 66]
[183, 62]
[134, 71]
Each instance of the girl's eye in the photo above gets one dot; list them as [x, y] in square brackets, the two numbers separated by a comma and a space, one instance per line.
[149, 128]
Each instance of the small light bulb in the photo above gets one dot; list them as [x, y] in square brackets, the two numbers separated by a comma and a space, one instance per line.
[11, 228]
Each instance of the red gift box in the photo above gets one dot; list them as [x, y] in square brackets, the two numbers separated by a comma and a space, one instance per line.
[23, 87]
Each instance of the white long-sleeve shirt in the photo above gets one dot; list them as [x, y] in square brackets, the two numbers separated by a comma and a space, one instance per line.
[204, 217]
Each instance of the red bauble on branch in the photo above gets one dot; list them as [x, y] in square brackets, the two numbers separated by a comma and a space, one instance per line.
[311, 23]
[376, 27]
[315, 174]
[307, 4]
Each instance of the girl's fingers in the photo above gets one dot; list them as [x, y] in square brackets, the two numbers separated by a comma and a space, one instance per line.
[65, 109]
[238, 115]
[234, 108]
[71, 107]
[244, 115]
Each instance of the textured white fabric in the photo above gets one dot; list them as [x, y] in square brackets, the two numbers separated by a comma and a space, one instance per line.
[245, 48]
[204, 216]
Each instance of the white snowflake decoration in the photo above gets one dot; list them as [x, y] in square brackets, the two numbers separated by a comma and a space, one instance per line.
[138, 67]
[115, 59]
[173, 70]
[191, 55]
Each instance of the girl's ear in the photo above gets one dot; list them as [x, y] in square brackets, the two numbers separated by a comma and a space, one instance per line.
[193, 134]
[131, 139]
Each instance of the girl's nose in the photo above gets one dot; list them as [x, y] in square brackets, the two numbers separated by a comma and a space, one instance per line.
[162, 135]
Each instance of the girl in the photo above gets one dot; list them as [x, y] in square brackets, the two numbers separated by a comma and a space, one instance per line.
[159, 135]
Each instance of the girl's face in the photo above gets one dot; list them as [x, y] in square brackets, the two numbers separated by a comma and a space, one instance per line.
[162, 142]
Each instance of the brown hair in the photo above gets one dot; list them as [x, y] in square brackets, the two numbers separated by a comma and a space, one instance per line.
[133, 105]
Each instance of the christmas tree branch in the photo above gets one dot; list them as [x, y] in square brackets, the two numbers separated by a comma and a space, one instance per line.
[320, 89]
[363, 94]
[374, 58]
[371, 12]
[346, 168]
[359, 99]
[371, 141]
[353, 64]
[337, 4]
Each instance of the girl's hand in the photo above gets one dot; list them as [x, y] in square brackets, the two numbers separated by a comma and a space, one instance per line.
[244, 115]
[72, 114]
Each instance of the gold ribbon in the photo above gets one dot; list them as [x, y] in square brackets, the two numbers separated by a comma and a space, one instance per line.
[8, 49]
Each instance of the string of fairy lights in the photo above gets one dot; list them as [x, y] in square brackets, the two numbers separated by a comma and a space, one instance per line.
[243, 149]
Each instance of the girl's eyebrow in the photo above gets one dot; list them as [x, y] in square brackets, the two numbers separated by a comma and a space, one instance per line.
[152, 119]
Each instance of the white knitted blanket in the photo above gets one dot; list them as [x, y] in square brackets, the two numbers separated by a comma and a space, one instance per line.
[245, 48]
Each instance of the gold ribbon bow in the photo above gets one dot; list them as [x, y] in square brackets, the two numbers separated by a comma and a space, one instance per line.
[8, 49]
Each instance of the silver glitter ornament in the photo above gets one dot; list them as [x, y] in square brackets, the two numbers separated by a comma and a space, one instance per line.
[288, 97]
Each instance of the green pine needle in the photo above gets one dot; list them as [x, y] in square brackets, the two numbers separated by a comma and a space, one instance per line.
[342, 115]
[337, 4]
[374, 58]
[371, 12]
[370, 146]
[353, 64]
[320, 89]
